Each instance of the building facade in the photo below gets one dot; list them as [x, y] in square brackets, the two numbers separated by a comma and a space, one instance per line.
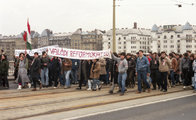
[85, 40]
[129, 40]
[174, 38]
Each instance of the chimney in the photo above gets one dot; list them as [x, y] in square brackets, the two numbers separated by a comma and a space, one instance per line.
[135, 25]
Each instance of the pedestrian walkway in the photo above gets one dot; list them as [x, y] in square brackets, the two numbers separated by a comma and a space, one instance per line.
[25, 103]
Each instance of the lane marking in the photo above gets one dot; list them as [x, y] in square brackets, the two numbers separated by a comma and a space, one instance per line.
[133, 106]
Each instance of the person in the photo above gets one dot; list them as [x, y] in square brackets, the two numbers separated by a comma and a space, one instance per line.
[122, 69]
[44, 69]
[194, 70]
[22, 77]
[142, 71]
[55, 69]
[164, 67]
[4, 66]
[35, 70]
[103, 72]
[130, 72]
[154, 68]
[191, 72]
[66, 70]
[173, 69]
[85, 66]
[184, 69]
[95, 74]
[113, 71]
[74, 71]
[177, 75]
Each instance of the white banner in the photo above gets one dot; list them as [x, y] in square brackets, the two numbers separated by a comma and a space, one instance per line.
[31, 52]
[78, 54]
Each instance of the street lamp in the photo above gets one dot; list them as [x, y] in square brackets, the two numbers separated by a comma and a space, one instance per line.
[114, 25]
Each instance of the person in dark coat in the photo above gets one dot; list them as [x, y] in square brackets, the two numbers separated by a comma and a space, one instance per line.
[55, 69]
[154, 68]
[84, 73]
[113, 71]
[131, 71]
[4, 66]
[35, 70]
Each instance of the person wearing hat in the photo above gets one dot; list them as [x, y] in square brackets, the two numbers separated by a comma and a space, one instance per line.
[35, 69]
[122, 69]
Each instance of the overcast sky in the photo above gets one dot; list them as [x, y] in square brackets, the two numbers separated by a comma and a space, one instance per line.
[69, 15]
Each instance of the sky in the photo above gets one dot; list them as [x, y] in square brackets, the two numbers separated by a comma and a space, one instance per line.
[69, 15]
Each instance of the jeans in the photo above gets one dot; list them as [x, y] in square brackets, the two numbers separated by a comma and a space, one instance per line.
[121, 81]
[44, 74]
[96, 83]
[142, 75]
[67, 77]
[172, 77]
[74, 75]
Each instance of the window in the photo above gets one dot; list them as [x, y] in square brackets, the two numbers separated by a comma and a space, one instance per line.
[178, 40]
[188, 37]
[109, 43]
[119, 42]
[124, 42]
[165, 46]
[188, 46]
[165, 37]
[119, 47]
[172, 46]
[189, 41]
[158, 37]
[108, 38]
[165, 41]
[172, 41]
[124, 38]
[178, 36]
[172, 36]
[119, 38]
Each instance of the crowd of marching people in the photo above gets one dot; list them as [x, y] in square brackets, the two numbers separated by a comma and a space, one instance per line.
[151, 71]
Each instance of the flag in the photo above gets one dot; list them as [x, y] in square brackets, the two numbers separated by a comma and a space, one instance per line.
[29, 35]
[25, 36]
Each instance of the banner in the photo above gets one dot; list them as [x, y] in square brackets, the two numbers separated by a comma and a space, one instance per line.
[31, 52]
[78, 54]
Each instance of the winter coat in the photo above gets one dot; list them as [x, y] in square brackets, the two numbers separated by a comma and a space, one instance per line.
[154, 64]
[22, 72]
[45, 60]
[4, 66]
[164, 64]
[102, 67]
[68, 65]
[174, 64]
[131, 64]
[95, 70]
[75, 64]
[35, 66]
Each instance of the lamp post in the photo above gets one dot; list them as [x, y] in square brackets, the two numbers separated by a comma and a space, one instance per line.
[114, 25]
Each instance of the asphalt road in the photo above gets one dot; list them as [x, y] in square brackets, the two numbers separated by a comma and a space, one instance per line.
[179, 109]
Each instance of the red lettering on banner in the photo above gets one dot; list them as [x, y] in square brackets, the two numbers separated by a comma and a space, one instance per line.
[53, 50]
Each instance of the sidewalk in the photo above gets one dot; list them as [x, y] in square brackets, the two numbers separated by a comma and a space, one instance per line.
[25, 103]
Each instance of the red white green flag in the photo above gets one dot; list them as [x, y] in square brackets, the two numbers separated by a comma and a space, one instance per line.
[29, 36]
